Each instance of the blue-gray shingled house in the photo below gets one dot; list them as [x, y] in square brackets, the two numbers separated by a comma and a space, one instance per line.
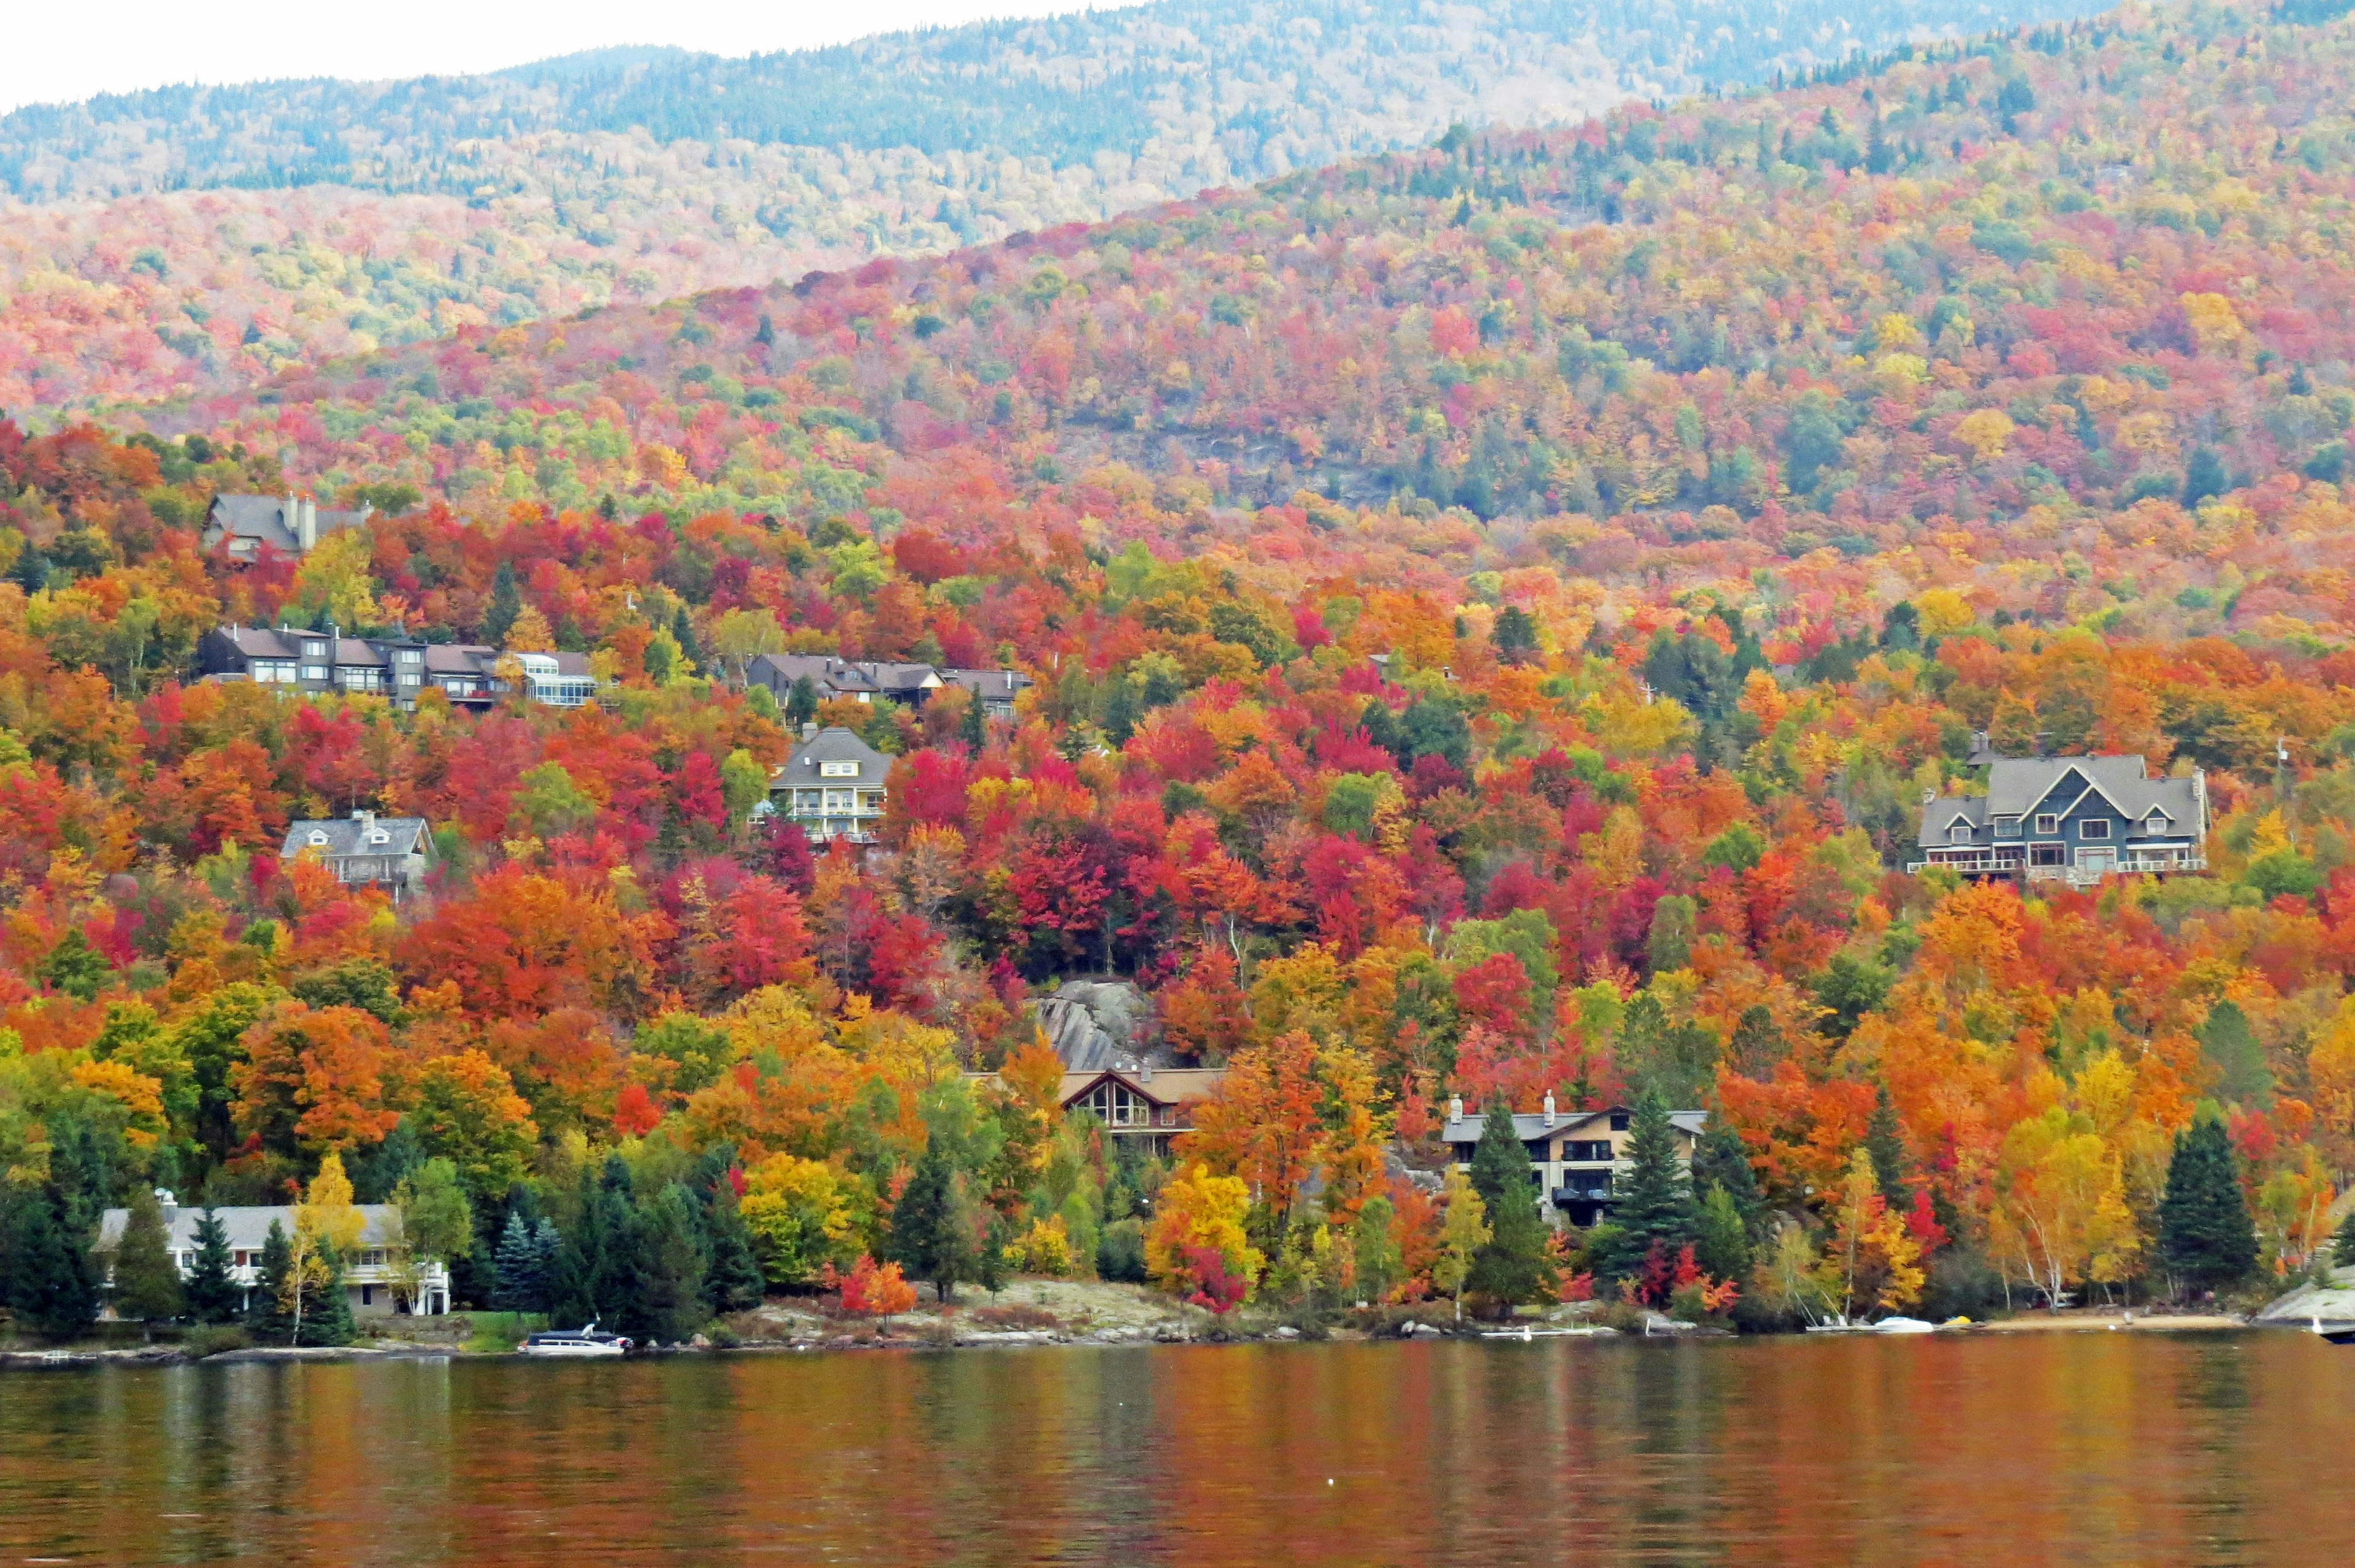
[2072, 819]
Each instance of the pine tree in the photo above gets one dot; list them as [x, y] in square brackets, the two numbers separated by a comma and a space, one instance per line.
[1885, 1146]
[48, 1279]
[732, 1279]
[327, 1314]
[927, 1238]
[507, 603]
[1653, 1202]
[147, 1281]
[211, 1292]
[2342, 1244]
[1510, 1268]
[2204, 1231]
[800, 703]
[1721, 1160]
[973, 728]
[670, 1287]
[520, 1285]
[266, 1309]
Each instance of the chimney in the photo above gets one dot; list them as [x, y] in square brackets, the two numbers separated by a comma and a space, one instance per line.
[1455, 1107]
[366, 819]
[809, 728]
[308, 534]
[168, 1201]
[1549, 1108]
[1144, 1072]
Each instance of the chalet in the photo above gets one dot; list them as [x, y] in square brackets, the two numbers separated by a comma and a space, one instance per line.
[1143, 1107]
[288, 525]
[391, 852]
[833, 785]
[832, 678]
[995, 689]
[2070, 819]
[1572, 1155]
[376, 1276]
[398, 669]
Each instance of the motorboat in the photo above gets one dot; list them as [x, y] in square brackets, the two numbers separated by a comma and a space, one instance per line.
[2335, 1333]
[574, 1342]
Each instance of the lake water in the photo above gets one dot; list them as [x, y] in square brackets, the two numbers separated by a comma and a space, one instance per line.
[2076, 1449]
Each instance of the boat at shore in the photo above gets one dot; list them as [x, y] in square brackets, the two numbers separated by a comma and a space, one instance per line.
[574, 1343]
[2335, 1333]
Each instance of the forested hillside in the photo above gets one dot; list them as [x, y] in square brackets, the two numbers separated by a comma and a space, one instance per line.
[645, 174]
[1494, 611]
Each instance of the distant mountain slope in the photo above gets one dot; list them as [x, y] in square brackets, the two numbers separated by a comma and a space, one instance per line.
[1203, 90]
[188, 240]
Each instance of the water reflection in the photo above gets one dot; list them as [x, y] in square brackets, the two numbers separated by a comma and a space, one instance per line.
[2076, 1449]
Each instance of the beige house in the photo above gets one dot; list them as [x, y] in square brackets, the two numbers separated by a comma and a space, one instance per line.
[1575, 1155]
[373, 1273]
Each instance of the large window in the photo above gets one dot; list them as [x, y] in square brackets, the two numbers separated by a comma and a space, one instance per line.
[2047, 855]
[1116, 1105]
[2007, 828]
[2047, 823]
[2097, 828]
[1586, 1150]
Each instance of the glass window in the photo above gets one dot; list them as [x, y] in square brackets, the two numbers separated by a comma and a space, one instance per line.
[2158, 823]
[837, 769]
[2045, 855]
[2099, 827]
[2047, 823]
[840, 799]
[2007, 828]
[314, 672]
[1960, 833]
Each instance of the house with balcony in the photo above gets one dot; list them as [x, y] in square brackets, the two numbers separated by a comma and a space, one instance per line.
[832, 786]
[1142, 1106]
[378, 1278]
[2068, 819]
[830, 677]
[391, 852]
[1574, 1157]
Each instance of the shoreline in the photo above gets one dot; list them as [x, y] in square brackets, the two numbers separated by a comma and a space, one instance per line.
[931, 1337]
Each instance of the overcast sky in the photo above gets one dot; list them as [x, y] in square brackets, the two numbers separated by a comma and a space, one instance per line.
[60, 52]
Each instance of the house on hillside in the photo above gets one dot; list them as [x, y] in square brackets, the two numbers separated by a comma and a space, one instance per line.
[833, 678]
[392, 852]
[2068, 819]
[288, 524]
[373, 1272]
[832, 787]
[1144, 1107]
[302, 659]
[1574, 1155]
[995, 689]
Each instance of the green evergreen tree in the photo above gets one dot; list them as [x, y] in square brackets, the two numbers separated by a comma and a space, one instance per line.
[929, 1238]
[212, 1293]
[1722, 1241]
[507, 603]
[521, 1285]
[2230, 1047]
[31, 572]
[973, 728]
[1653, 1201]
[1885, 1147]
[2342, 1243]
[732, 1280]
[670, 1286]
[147, 1282]
[2204, 1231]
[75, 968]
[327, 1315]
[1511, 1267]
[265, 1309]
[48, 1276]
[1721, 1160]
[801, 704]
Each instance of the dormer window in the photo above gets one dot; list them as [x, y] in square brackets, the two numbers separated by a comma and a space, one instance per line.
[379, 836]
[318, 839]
[837, 769]
[2158, 823]
[1960, 833]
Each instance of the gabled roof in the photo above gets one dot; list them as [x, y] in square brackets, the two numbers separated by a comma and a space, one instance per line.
[804, 767]
[2026, 787]
[338, 838]
[989, 684]
[263, 520]
[1162, 1086]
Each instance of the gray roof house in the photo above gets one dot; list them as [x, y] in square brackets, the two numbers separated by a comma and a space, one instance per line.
[391, 852]
[371, 1272]
[2068, 819]
[996, 689]
[833, 785]
[832, 678]
[1572, 1154]
[289, 524]
[301, 659]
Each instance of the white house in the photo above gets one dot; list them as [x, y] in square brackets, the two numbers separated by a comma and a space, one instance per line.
[833, 785]
[371, 1273]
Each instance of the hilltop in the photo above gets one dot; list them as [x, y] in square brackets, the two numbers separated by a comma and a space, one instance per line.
[199, 238]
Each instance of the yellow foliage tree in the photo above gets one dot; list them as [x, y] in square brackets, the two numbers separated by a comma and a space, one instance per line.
[1872, 1263]
[1196, 1209]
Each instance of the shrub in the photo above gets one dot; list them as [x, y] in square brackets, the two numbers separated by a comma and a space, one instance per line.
[869, 1291]
[212, 1338]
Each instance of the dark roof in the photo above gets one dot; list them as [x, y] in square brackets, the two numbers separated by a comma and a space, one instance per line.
[338, 838]
[843, 677]
[989, 684]
[833, 745]
[258, 642]
[2026, 786]
[246, 1227]
[263, 520]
